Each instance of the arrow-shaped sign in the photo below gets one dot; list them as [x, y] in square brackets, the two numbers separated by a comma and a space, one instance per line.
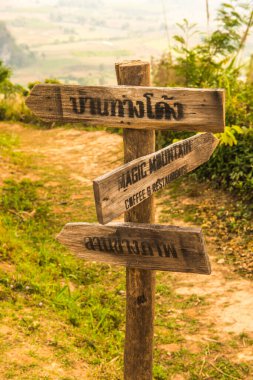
[180, 109]
[130, 184]
[160, 247]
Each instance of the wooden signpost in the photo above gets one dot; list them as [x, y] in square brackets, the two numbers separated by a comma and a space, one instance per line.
[138, 244]
[130, 184]
[182, 109]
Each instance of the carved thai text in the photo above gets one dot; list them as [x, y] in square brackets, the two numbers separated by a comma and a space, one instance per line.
[167, 108]
[130, 247]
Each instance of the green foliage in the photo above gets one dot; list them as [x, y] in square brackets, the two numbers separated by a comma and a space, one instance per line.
[7, 143]
[6, 87]
[48, 81]
[12, 106]
[228, 137]
[5, 72]
[12, 103]
[215, 62]
[159, 373]
[22, 198]
[231, 166]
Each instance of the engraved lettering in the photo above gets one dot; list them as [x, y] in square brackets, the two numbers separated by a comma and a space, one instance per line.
[117, 103]
[135, 199]
[169, 250]
[88, 242]
[169, 155]
[118, 246]
[132, 176]
[146, 248]
[122, 108]
[130, 247]
[159, 250]
[107, 244]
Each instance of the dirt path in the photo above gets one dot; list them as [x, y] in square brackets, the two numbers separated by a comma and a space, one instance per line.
[85, 154]
[89, 154]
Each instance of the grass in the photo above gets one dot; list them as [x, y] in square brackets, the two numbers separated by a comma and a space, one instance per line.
[7, 145]
[50, 281]
[64, 318]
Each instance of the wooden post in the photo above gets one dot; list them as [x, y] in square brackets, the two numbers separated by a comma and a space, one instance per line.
[140, 284]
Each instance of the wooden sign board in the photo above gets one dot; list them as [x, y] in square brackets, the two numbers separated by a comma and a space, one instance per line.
[180, 109]
[130, 184]
[146, 246]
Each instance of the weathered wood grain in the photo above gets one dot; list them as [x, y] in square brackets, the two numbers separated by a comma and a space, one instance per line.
[182, 109]
[146, 246]
[140, 283]
[127, 186]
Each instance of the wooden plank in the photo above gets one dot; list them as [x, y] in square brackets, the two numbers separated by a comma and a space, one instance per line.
[180, 109]
[127, 186]
[146, 246]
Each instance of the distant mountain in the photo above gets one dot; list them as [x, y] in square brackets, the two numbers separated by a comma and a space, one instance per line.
[10, 53]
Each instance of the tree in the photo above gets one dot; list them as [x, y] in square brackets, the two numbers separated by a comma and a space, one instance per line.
[215, 62]
[5, 73]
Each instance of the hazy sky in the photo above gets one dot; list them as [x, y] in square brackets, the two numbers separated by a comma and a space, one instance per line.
[176, 10]
[83, 38]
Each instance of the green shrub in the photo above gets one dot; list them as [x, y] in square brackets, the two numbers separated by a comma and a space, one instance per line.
[215, 62]
[231, 167]
[12, 99]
